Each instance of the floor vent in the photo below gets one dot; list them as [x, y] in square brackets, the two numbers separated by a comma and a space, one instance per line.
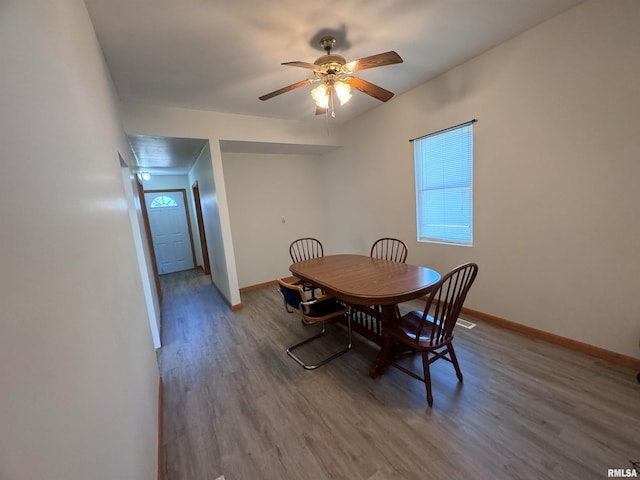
[465, 324]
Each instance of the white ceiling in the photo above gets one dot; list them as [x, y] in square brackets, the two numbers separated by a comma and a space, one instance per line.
[157, 154]
[222, 55]
[176, 156]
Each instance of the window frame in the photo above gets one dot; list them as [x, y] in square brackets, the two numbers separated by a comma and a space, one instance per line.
[454, 188]
[162, 201]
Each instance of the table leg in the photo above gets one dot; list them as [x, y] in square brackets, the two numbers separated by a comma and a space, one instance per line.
[388, 314]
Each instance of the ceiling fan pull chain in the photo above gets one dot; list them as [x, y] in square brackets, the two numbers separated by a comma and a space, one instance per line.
[333, 113]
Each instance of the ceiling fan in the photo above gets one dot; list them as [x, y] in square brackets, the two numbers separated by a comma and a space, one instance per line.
[334, 74]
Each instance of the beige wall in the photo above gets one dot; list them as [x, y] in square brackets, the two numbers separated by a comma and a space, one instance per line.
[556, 175]
[261, 190]
[78, 372]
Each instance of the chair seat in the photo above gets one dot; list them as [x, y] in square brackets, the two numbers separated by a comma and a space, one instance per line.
[405, 327]
[324, 309]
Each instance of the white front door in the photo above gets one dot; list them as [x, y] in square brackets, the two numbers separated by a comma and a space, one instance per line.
[170, 231]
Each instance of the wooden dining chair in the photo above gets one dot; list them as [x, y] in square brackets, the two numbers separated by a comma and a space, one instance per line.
[387, 249]
[305, 248]
[314, 311]
[430, 332]
[390, 249]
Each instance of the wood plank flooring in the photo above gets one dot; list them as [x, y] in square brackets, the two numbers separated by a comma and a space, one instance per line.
[236, 405]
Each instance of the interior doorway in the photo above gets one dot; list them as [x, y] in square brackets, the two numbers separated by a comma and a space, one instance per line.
[203, 237]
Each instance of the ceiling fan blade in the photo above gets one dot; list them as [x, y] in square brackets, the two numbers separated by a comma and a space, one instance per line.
[310, 66]
[369, 88]
[286, 89]
[380, 60]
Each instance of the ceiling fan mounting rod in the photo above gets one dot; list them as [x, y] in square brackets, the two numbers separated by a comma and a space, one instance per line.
[327, 43]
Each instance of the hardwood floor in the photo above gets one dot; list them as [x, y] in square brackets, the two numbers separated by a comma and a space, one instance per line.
[236, 405]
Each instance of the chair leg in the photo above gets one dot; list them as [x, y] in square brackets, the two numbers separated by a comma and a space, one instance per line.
[307, 366]
[454, 360]
[427, 377]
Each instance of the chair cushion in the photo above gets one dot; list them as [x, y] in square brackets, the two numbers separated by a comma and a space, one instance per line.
[292, 296]
[324, 309]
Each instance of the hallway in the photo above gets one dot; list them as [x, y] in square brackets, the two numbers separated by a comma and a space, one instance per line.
[236, 405]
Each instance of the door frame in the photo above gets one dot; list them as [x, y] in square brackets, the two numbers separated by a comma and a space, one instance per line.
[147, 231]
[186, 212]
[203, 237]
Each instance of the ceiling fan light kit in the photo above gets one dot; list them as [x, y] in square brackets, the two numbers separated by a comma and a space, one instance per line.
[322, 94]
[343, 90]
[335, 77]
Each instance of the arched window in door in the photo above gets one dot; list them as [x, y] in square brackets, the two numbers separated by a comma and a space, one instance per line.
[163, 201]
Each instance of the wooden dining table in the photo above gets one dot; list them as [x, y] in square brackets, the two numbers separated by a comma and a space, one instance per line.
[371, 285]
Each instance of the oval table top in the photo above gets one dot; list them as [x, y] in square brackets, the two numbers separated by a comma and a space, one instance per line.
[362, 280]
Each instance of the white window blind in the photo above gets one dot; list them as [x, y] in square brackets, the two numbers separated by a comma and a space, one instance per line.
[444, 185]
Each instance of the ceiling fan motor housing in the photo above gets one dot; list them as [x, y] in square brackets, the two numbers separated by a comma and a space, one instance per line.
[330, 64]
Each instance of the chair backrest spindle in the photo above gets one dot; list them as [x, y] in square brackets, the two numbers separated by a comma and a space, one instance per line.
[305, 248]
[389, 249]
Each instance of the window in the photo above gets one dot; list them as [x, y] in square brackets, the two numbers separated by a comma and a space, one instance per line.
[163, 201]
[444, 185]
